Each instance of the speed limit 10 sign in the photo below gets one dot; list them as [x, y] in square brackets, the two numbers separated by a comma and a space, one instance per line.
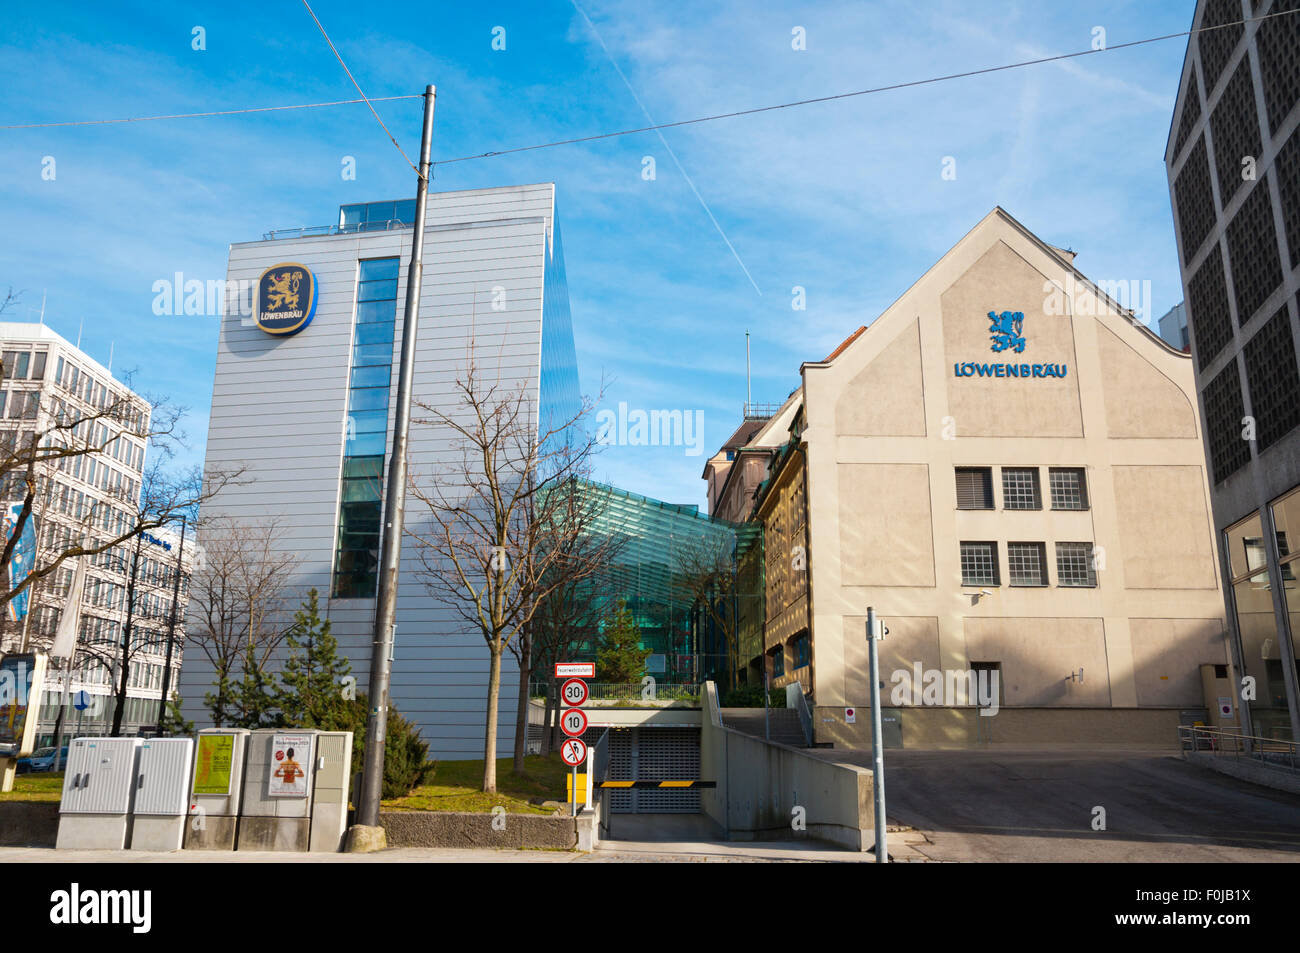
[574, 722]
[574, 691]
[573, 751]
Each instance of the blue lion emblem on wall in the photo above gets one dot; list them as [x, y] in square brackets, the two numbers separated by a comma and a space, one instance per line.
[1006, 328]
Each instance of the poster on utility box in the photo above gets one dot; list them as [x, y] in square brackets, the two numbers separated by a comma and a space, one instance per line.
[290, 765]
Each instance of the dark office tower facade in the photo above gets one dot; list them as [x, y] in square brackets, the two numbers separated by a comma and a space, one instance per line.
[1233, 163]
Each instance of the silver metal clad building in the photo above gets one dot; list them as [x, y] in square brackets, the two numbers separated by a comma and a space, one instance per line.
[309, 414]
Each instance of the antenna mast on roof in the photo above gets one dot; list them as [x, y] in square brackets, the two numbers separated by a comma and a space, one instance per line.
[749, 395]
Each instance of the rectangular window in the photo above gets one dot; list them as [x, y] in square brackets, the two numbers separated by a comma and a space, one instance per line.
[38, 366]
[778, 662]
[1027, 564]
[974, 488]
[1020, 489]
[14, 365]
[1069, 488]
[1074, 565]
[356, 556]
[802, 651]
[979, 564]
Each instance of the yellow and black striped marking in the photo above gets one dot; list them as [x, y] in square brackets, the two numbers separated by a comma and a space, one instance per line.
[657, 784]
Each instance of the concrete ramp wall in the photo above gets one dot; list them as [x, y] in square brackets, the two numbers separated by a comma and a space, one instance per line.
[760, 785]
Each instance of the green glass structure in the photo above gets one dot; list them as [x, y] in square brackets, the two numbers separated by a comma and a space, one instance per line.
[660, 549]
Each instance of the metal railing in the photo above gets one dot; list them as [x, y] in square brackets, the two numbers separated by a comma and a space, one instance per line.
[805, 716]
[311, 231]
[1228, 742]
[634, 691]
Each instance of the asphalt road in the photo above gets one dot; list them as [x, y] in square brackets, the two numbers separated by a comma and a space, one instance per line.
[1011, 805]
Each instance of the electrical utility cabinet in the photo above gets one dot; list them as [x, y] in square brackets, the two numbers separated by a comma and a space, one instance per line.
[278, 779]
[162, 788]
[99, 786]
[216, 790]
[329, 813]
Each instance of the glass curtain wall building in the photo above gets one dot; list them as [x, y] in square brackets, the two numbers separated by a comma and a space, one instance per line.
[659, 547]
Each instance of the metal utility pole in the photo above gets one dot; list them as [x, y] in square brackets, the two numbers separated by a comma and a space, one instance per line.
[171, 630]
[875, 631]
[381, 657]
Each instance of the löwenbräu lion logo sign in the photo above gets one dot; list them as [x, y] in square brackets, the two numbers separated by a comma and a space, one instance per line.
[286, 298]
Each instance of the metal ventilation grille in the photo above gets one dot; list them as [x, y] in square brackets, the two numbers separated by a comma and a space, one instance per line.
[1252, 253]
[1273, 380]
[668, 754]
[1216, 45]
[621, 768]
[1191, 111]
[654, 754]
[1194, 200]
[1287, 169]
[1207, 309]
[1278, 43]
[1224, 409]
[1234, 126]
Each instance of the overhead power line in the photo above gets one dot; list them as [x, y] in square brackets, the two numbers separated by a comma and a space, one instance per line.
[339, 57]
[203, 115]
[666, 125]
[860, 92]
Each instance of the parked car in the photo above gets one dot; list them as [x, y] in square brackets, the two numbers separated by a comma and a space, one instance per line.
[42, 759]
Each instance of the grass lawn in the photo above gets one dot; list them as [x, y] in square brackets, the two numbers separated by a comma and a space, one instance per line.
[46, 786]
[455, 786]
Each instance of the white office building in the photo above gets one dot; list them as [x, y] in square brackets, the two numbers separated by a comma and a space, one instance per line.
[304, 401]
[90, 497]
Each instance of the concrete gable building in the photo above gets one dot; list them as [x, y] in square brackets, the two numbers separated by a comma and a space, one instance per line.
[1009, 468]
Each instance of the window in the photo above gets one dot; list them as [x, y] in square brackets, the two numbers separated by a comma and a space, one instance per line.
[802, 651]
[1069, 488]
[1027, 564]
[14, 364]
[38, 366]
[778, 662]
[979, 564]
[1020, 489]
[356, 559]
[1074, 565]
[974, 488]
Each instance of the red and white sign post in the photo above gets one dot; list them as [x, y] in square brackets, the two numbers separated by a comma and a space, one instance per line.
[573, 720]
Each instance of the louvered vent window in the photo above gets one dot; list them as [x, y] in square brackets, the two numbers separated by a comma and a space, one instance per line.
[974, 488]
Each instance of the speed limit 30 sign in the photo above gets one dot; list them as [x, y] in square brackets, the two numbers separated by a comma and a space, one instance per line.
[573, 722]
[574, 691]
[573, 751]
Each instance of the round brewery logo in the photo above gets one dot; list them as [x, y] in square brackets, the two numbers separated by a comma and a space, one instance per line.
[286, 298]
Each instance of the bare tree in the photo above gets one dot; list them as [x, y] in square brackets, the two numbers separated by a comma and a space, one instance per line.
[580, 545]
[239, 596]
[493, 534]
[566, 620]
[60, 435]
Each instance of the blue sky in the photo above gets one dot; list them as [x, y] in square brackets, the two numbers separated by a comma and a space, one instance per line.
[844, 199]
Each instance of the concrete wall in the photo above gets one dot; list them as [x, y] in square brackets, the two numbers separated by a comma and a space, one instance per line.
[887, 423]
[760, 784]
